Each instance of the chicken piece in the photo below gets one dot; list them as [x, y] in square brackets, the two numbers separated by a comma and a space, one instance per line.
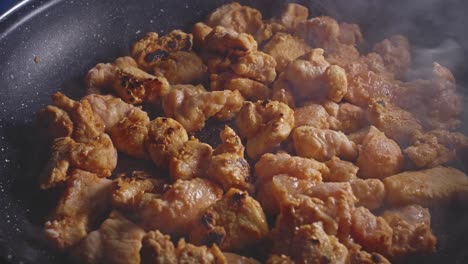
[395, 122]
[280, 190]
[379, 156]
[181, 67]
[425, 187]
[336, 82]
[165, 137]
[345, 117]
[225, 41]
[149, 50]
[411, 230]
[199, 31]
[242, 19]
[320, 31]
[340, 171]
[256, 65]
[281, 91]
[179, 207]
[54, 123]
[265, 124]
[370, 231]
[370, 193]
[249, 89]
[228, 166]
[358, 256]
[117, 241]
[313, 115]
[323, 144]
[128, 192]
[192, 108]
[285, 48]
[86, 125]
[365, 86]
[270, 165]
[396, 54]
[292, 15]
[110, 109]
[98, 156]
[102, 75]
[350, 34]
[279, 259]
[130, 133]
[82, 205]
[312, 245]
[232, 258]
[190, 161]
[235, 222]
[158, 248]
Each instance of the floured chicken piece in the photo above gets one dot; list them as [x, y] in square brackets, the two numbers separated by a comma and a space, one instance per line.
[282, 93]
[340, 171]
[191, 108]
[370, 231]
[425, 187]
[199, 31]
[117, 241]
[279, 259]
[270, 165]
[292, 15]
[256, 65]
[158, 248]
[179, 207]
[370, 193]
[110, 109]
[128, 192]
[130, 134]
[280, 190]
[323, 144]
[86, 125]
[181, 67]
[227, 42]
[149, 50]
[165, 137]
[379, 156]
[250, 89]
[191, 160]
[336, 82]
[357, 256]
[396, 55]
[395, 122]
[265, 124]
[313, 115]
[235, 222]
[82, 205]
[54, 122]
[345, 117]
[98, 156]
[126, 80]
[350, 34]
[311, 244]
[285, 48]
[411, 230]
[321, 31]
[227, 166]
[232, 258]
[243, 19]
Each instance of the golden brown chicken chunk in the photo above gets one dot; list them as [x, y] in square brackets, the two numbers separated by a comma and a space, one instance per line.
[340, 171]
[358, 256]
[250, 89]
[181, 67]
[98, 156]
[227, 166]
[117, 241]
[83, 203]
[292, 14]
[425, 187]
[227, 42]
[396, 55]
[199, 31]
[110, 109]
[179, 207]
[191, 108]
[242, 19]
[256, 65]
[149, 50]
[345, 117]
[285, 48]
[165, 137]
[411, 230]
[350, 34]
[235, 222]
[54, 122]
[323, 144]
[379, 156]
[313, 115]
[265, 124]
[191, 160]
[282, 92]
[370, 193]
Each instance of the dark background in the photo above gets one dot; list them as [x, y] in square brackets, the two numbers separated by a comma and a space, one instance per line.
[6, 4]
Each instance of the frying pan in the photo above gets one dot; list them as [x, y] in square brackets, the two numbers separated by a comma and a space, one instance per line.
[48, 46]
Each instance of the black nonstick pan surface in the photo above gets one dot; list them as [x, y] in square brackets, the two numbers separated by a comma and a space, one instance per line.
[48, 46]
